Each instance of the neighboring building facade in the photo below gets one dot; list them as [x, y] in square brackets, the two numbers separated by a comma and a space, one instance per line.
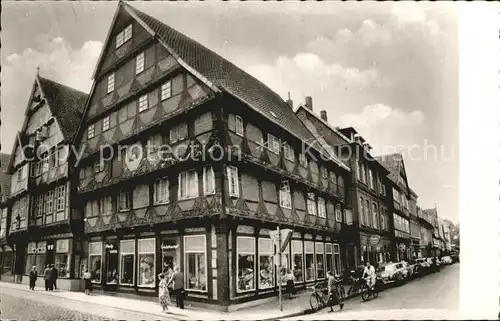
[6, 253]
[212, 218]
[426, 231]
[400, 193]
[368, 235]
[437, 243]
[42, 224]
[414, 226]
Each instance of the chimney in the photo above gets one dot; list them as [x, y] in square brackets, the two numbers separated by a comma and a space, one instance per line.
[309, 103]
[289, 101]
[324, 116]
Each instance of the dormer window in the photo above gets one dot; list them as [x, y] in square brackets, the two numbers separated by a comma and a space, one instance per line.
[239, 126]
[124, 36]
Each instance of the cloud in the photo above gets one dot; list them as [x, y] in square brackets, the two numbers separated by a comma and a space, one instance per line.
[306, 74]
[386, 128]
[57, 60]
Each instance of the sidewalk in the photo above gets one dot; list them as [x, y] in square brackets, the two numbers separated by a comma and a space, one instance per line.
[266, 311]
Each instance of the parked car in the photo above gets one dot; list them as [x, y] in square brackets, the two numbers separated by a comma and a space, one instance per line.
[409, 269]
[435, 264]
[446, 259]
[422, 266]
[455, 257]
[392, 273]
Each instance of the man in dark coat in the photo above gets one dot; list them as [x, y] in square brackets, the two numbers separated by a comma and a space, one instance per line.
[178, 280]
[54, 276]
[46, 277]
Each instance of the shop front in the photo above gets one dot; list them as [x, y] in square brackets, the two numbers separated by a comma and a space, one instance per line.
[375, 249]
[6, 263]
[56, 252]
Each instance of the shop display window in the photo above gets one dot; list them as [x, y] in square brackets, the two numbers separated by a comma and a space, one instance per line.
[320, 260]
[127, 262]
[310, 266]
[245, 263]
[95, 261]
[146, 253]
[266, 267]
[171, 255]
[298, 260]
[195, 262]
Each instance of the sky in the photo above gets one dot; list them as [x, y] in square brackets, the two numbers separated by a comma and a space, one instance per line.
[388, 69]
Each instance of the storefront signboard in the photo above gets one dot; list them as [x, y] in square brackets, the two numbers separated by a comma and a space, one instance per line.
[374, 239]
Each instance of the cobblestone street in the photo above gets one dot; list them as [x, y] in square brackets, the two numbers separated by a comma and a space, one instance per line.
[23, 306]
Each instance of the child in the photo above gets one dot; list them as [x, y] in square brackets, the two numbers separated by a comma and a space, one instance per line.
[163, 294]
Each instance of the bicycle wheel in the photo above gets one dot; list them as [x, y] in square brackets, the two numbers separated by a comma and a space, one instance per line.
[315, 302]
[375, 291]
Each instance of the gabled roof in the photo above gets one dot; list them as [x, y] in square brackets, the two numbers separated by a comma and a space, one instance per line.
[393, 163]
[220, 74]
[66, 105]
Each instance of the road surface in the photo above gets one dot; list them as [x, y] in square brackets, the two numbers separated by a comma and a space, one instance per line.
[435, 291]
[23, 305]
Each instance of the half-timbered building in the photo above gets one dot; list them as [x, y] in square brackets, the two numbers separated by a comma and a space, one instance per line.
[401, 195]
[6, 254]
[42, 224]
[368, 234]
[190, 162]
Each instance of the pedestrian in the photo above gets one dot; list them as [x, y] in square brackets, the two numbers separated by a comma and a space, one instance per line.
[33, 277]
[88, 283]
[290, 283]
[178, 280]
[333, 298]
[163, 295]
[54, 276]
[46, 277]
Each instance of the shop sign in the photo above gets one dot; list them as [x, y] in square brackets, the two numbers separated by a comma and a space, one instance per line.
[50, 247]
[111, 248]
[169, 247]
[374, 239]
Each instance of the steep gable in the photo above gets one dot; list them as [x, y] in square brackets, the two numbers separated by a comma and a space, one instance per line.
[395, 165]
[221, 75]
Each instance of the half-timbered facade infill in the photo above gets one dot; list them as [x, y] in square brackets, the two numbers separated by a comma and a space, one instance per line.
[42, 224]
[6, 254]
[368, 234]
[400, 193]
[231, 172]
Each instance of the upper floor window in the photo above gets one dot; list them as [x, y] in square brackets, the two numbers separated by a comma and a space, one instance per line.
[123, 201]
[166, 90]
[370, 179]
[178, 133]
[232, 176]
[363, 177]
[239, 125]
[161, 194]
[285, 195]
[139, 63]
[321, 207]
[208, 180]
[61, 196]
[338, 213]
[273, 144]
[111, 83]
[375, 216]
[367, 213]
[49, 200]
[324, 173]
[358, 171]
[143, 103]
[340, 181]
[91, 131]
[45, 164]
[124, 36]
[361, 212]
[188, 184]
[104, 204]
[20, 173]
[395, 195]
[105, 123]
[311, 204]
[333, 180]
[303, 159]
[289, 154]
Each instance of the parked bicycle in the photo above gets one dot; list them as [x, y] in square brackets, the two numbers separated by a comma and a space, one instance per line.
[319, 298]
